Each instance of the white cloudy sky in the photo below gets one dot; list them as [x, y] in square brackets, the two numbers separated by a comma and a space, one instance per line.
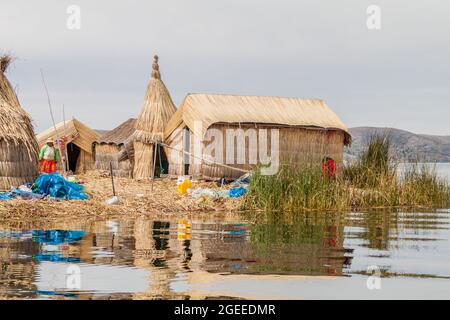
[398, 76]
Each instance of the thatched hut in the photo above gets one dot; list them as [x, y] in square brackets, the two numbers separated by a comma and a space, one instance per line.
[308, 130]
[18, 146]
[156, 111]
[78, 139]
[116, 147]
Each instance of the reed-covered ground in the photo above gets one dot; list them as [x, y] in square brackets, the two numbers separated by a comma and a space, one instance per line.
[138, 198]
[372, 180]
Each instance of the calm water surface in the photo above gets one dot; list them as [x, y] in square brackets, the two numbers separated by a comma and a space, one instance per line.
[323, 256]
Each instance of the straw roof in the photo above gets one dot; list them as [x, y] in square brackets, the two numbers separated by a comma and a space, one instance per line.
[121, 135]
[156, 110]
[77, 132]
[15, 124]
[219, 108]
[6, 90]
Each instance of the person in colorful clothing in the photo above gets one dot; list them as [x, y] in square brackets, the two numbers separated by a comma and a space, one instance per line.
[329, 168]
[48, 157]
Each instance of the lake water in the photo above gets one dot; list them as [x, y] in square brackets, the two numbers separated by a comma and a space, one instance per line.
[360, 255]
[443, 169]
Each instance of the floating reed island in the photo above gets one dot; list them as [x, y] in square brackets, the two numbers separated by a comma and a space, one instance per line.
[143, 154]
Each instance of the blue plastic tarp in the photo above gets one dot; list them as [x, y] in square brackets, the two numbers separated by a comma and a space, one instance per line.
[237, 192]
[57, 237]
[56, 186]
[6, 196]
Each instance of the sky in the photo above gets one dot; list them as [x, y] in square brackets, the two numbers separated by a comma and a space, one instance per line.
[397, 76]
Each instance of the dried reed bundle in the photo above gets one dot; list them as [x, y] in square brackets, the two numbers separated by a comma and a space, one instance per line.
[5, 62]
[6, 90]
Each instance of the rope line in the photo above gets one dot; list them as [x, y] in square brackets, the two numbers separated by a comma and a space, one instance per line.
[201, 158]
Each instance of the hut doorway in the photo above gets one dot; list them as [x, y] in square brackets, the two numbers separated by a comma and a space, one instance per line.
[186, 147]
[162, 164]
[73, 153]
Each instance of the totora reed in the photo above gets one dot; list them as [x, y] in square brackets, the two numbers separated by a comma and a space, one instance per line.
[374, 180]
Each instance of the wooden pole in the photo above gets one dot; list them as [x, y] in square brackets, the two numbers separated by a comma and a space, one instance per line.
[66, 164]
[154, 164]
[51, 114]
[112, 178]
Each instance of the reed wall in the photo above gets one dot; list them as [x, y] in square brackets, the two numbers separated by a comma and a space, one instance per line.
[143, 156]
[175, 169]
[111, 153]
[85, 162]
[16, 167]
[296, 147]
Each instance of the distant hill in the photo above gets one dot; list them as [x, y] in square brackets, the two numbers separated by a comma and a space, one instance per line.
[406, 146]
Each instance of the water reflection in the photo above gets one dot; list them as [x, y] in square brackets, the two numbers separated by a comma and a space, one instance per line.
[153, 259]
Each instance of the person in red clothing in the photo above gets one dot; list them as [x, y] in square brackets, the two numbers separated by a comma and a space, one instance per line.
[48, 157]
[329, 168]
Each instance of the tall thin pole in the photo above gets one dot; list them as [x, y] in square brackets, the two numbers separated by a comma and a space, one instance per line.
[112, 178]
[66, 163]
[51, 111]
[154, 163]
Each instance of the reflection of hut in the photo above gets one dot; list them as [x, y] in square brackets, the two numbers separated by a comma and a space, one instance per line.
[78, 139]
[154, 253]
[18, 146]
[17, 273]
[116, 147]
[307, 130]
[156, 111]
[277, 249]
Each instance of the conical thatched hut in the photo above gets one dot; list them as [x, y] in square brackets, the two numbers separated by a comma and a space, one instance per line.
[116, 147]
[18, 146]
[156, 111]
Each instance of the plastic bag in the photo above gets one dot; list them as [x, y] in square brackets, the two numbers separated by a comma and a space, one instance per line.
[197, 193]
[237, 192]
[184, 186]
